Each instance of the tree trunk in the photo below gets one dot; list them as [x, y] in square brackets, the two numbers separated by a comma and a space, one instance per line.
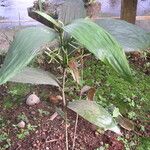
[128, 10]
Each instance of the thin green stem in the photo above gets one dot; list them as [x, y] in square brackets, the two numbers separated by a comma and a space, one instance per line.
[63, 51]
[64, 65]
[75, 128]
[75, 132]
[63, 88]
[64, 103]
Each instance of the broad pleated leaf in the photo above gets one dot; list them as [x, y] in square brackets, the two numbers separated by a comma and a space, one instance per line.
[101, 44]
[49, 18]
[130, 36]
[35, 76]
[95, 114]
[71, 10]
[26, 45]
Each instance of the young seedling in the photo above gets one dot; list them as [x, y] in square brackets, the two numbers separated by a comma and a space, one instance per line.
[96, 37]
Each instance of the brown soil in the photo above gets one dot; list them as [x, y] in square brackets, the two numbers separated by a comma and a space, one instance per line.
[141, 62]
[50, 135]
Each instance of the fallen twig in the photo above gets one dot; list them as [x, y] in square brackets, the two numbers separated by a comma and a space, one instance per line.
[50, 141]
[53, 116]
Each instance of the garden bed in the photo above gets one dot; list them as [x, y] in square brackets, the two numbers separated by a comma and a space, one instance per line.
[42, 132]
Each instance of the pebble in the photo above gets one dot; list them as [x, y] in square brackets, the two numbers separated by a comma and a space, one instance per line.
[21, 124]
[33, 112]
[32, 100]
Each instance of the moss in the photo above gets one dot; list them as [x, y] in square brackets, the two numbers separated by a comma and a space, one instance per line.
[112, 89]
[19, 89]
[16, 93]
[145, 144]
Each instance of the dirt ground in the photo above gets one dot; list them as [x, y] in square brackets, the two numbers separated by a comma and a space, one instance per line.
[49, 133]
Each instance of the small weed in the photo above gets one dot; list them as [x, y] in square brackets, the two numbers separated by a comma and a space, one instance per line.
[15, 94]
[25, 132]
[2, 122]
[43, 112]
[23, 117]
[5, 141]
[144, 144]
[8, 103]
[132, 115]
[3, 137]
[128, 145]
[19, 89]
[105, 147]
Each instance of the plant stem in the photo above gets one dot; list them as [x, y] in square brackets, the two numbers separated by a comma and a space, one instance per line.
[40, 5]
[66, 131]
[63, 87]
[62, 49]
[75, 132]
[75, 128]
[64, 65]
[64, 103]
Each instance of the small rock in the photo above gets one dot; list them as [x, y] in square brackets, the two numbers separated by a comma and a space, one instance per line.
[33, 112]
[55, 99]
[21, 124]
[32, 100]
[34, 145]
[59, 97]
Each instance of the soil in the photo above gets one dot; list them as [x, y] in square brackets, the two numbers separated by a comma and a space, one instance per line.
[50, 135]
[140, 62]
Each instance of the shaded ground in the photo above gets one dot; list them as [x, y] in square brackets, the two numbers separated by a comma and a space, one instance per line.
[43, 133]
[141, 61]
[46, 134]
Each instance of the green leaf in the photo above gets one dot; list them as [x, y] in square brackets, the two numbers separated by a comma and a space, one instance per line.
[49, 18]
[116, 112]
[144, 143]
[35, 76]
[101, 44]
[26, 45]
[71, 10]
[130, 36]
[95, 114]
